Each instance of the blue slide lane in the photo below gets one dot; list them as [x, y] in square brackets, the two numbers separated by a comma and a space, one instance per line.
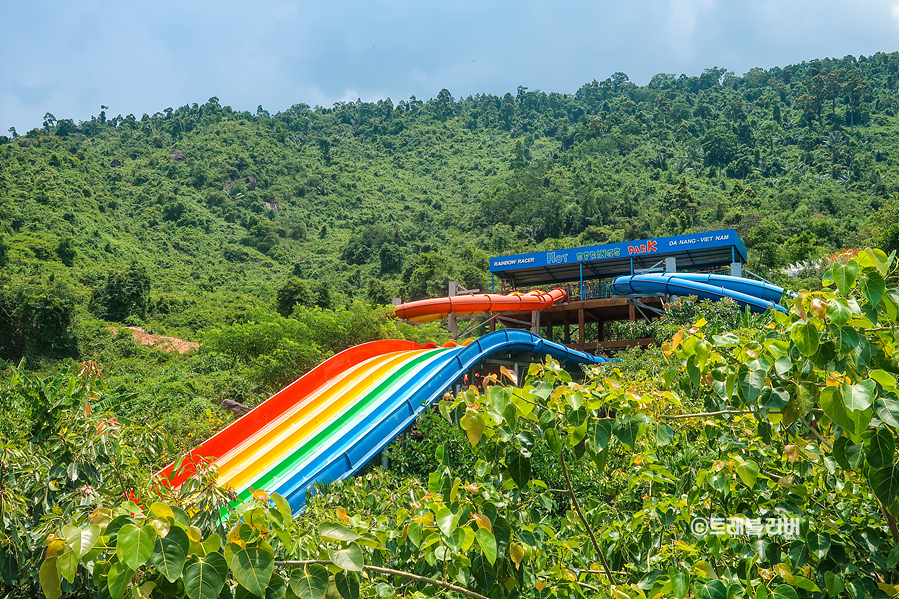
[400, 404]
[758, 295]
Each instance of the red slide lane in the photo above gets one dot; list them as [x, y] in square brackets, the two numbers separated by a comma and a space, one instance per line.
[279, 403]
[434, 309]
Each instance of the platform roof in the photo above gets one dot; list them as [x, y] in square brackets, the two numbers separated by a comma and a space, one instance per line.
[693, 251]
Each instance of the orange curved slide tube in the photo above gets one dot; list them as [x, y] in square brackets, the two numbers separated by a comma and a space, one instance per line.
[434, 309]
[281, 402]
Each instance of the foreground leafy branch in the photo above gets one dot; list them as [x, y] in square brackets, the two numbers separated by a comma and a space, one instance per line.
[392, 572]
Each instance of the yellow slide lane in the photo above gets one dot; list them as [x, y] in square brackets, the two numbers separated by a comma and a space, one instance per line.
[269, 445]
[344, 378]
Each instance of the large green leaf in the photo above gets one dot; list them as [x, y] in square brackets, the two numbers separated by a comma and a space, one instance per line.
[750, 385]
[833, 583]
[348, 558]
[49, 576]
[858, 397]
[886, 380]
[680, 583]
[664, 434]
[818, 543]
[118, 579]
[67, 565]
[483, 573]
[488, 544]
[170, 552]
[204, 576]
[277, 588]
[135, 545]
[600, 460]
[252, 567]
[847, 339]
[799, 553]
[785, 592]
[332, 531]
[848, 455]
[310, 582]
[626, 429]
[880, 449]
[552, 440]
[839, 311]
[806, 338]
[446, 521]
[473, 424]
[748, 472]
[854, 423]
[599, 434]
[887, 410]
[872, 286]
[520, 469]
[81, 540]
[347, 584]
[714, 589]
[844, 276]
[283, 506]
[885, 482]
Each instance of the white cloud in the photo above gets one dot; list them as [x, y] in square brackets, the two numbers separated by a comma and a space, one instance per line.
[683, 21]
[135, 57]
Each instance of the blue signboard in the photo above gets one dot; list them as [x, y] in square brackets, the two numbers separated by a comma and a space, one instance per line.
[656, 247]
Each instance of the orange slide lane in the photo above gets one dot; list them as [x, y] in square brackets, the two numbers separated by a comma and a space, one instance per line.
[434, 309]
[281, 403]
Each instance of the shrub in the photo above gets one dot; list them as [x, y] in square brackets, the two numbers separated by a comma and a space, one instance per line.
[36, 321]
[124, 294]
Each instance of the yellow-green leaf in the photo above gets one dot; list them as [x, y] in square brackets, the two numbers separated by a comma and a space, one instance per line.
[488, 544]
[50, 579]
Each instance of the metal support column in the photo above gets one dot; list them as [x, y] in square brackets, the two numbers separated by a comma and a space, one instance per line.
[581, 287]
[453, 320]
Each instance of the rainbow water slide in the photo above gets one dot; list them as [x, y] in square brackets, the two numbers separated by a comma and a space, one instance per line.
[336, 418]
[427, 310]
[758, 295]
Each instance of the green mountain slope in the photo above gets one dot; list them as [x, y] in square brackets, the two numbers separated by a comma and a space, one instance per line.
[376, 200]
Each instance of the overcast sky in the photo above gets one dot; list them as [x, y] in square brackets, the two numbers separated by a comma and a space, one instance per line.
[69, 57]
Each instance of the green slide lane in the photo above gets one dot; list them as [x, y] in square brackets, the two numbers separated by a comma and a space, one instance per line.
[289, 465]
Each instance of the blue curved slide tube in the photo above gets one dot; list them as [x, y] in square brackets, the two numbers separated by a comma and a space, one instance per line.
[758, 295]
[401, 401]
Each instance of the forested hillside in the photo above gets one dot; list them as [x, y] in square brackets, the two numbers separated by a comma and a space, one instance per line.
[184, 220]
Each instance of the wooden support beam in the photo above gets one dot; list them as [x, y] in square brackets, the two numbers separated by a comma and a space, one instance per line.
[505, 320]
[580, 327]
[632, 310]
